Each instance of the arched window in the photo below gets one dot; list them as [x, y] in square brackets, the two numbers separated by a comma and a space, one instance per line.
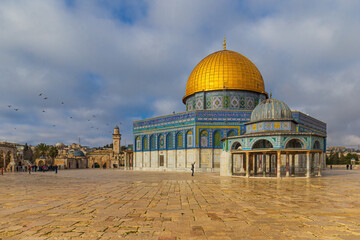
[138, 143]
[169, 141]
[161, 141]
[231, 133]
[145, 143]
[152, 142]
[179, 140]
[294, 143]
[236, 146]
[263, 143]
[189, 139]
[217, 139]
[316, 145]
[204, 138]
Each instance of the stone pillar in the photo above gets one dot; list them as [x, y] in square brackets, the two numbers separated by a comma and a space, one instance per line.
[308, 164]
[263, 162]
[287, 165]
[278, 174]
[254, 164]
[270, 164]
[320, 163]
[247, 164]
[242, 170]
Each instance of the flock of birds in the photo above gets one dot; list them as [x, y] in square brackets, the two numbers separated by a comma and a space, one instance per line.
[54, 125]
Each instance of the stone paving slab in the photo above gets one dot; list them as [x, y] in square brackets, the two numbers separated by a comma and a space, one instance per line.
[117, 204]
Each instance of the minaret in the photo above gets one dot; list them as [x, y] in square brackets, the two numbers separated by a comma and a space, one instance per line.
[116, 140]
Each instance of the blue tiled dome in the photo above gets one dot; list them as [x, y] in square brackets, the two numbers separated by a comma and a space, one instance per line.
[271, 109]
[79, 154]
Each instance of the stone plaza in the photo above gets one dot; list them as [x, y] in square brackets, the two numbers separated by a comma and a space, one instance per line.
[117, 204]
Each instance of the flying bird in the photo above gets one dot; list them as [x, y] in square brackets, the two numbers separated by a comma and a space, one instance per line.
[9, 106]
[16, 109]
[40, 94]
[62, 102]
[54, 125]
[94, 116]
[45, 98]
[88, 120]
[44, 111]
[70, 117]
[107, 124]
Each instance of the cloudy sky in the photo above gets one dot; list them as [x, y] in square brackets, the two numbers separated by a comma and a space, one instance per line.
[100, 62]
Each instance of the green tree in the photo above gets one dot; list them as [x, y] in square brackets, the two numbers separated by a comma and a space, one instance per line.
[52, 153]
[41, 150]
[28, 153]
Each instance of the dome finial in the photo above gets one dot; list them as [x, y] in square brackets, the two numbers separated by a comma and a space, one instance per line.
[270, 94]
[224, 44]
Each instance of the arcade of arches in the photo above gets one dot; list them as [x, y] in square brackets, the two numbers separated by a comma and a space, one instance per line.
[264, 160]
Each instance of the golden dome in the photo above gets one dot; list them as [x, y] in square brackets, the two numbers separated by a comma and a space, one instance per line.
[224, 70]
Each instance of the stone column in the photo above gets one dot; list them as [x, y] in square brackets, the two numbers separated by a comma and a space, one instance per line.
[270, 164]
[320, 162]
[287, 165]
[254, 164]
[278, 173]
[263, 162]
[247, 164]
[308, 164]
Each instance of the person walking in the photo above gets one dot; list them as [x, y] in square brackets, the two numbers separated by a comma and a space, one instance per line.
[56, 169]
[350, 166]
[192, 168]
[29, 168]
[347, 166]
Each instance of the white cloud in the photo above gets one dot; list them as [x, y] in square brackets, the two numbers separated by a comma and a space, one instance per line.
[97, 64]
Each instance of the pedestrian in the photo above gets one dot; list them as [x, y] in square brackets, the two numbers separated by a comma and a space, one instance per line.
[44, 168]
[55, 169]
[29, 167]
[347, 166]
[350, 166]
[330, 166]
[192, 168]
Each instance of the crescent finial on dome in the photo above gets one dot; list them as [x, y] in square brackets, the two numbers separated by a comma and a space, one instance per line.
[224, 44]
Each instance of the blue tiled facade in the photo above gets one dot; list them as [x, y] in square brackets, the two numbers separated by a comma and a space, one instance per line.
[203, 124]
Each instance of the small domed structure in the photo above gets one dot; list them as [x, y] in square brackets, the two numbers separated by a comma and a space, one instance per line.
[60, 145]
[79, 154]
[271, 109]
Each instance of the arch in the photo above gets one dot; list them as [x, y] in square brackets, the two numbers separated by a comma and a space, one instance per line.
[161, 143]
[316, 145]
[236, 146]
[204, 138]
[145, 143]
[104, 165]
[179, 140]
[189, 139]
[41, 163]
[137, 144]
[262, 144]
[152, 142]
[96, 165]
[169, 141]
[294, 143]
[230, 133]
[217, 139]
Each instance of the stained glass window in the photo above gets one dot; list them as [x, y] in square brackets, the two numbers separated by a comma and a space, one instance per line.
[179, 140]
[217, 139]
[169, 141]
